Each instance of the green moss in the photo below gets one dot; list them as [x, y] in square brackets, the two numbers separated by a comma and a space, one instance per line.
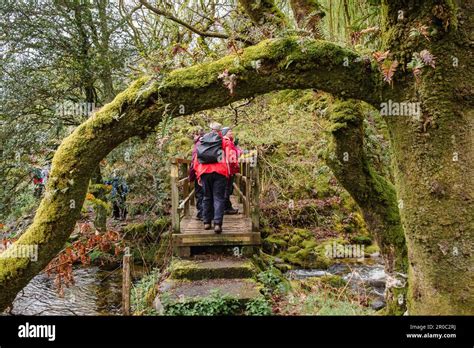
[371, 249]
[361, 239]
[309, 244]
[334, 281]
[192, 270]
[274, 243]
[264, 11]
[293, 249]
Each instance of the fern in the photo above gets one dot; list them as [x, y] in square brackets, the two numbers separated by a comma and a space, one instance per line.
[388, 70]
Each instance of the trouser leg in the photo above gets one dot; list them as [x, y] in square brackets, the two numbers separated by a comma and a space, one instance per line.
[123, 209]
[199, 195]
[116, 209]
[207, 198]
[219, 189]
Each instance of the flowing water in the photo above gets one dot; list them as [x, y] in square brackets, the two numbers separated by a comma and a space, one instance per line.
[99, 292]
[366, 277]
[95, 292]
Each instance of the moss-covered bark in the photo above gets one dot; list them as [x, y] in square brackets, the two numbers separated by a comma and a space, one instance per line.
[374, 194]
[434, 153]
[284, 64]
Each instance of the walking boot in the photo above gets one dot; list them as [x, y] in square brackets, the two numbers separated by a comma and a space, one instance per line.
[218, 228]
[231, 211]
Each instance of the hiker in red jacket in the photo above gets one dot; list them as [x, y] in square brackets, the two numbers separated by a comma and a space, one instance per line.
[234, 169]
[212, 170]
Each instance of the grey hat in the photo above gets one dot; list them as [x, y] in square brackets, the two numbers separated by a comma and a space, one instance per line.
[215, 126]
[225, 130]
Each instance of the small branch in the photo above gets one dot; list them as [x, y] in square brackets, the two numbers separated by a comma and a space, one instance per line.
[190, 27]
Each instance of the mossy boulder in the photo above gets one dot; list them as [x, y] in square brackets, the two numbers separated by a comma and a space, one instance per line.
[274, 243]
[298, 247]
[361, 239]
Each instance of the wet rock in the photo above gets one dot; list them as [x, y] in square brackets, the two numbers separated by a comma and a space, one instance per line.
[377, 305]
[158, 306]
[338, 269]
[306, 273]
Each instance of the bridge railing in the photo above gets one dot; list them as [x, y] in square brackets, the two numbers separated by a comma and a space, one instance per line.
[246, 185]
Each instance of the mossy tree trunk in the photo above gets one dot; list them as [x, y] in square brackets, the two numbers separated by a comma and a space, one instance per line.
[100, 220]
[374, 195]
[434, 153]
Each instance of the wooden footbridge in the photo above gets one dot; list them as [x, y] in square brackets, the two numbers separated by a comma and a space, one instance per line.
[241, 229]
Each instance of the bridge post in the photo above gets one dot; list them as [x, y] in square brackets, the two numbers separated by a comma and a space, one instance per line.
[186, 188]
[255, 196]
[174, 196]
[247, 190]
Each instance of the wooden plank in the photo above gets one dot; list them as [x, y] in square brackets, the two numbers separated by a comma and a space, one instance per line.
[200, 239]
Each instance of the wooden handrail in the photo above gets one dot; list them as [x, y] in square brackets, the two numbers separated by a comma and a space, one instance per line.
[186, 200]
[182, 181]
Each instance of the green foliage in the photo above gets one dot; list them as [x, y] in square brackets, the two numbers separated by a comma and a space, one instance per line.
[258, 306]
[143, 294]
[323, 304]
[273, 281]
[215, 304]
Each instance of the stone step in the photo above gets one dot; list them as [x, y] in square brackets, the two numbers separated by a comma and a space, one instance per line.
[184, 291]
[222, 268]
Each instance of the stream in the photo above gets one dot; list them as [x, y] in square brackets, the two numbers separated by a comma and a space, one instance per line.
[363, 277]
[95, 292]
[99, 292]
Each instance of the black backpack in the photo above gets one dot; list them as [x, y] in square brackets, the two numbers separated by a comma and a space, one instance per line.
[209, 149]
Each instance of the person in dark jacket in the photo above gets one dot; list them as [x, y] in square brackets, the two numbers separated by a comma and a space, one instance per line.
[198, 191]
[119, 196]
